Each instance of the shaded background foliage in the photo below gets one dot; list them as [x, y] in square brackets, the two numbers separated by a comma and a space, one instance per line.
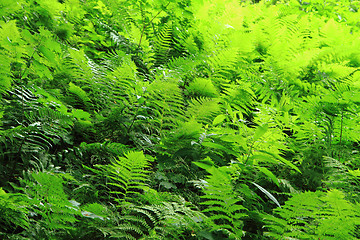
[181, 119]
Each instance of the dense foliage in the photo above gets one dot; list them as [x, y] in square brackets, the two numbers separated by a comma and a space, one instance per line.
[179, 119]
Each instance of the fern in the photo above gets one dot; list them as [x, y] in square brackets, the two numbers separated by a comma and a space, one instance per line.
[222, 204]
[163, 45]
[240, 97]
[202, 87]
[223, 64]
[338, 176]
[165, 103]
[203, 109]
[38, 109]
[11, 51]
[256, 89]
[50, 211]
[102, 152]
[171, 219]
[81, 95]
[313, 215]
[15, 212]
[31, 127]
[6, 80]
[188, 68]
[150, 221]
[126, 175]
[122, 80]
[167, 44]
[161, 216]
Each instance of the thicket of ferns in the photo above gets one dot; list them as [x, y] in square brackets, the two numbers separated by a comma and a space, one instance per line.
[179, 119]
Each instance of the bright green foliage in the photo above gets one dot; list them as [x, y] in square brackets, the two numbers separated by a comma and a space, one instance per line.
[223, 204]
[48, 204]
[180, 119]
[165, 103]
[315, 215]
[171, 219]
[340, 176]
[127, 175]
[14, 212]
[202, 87]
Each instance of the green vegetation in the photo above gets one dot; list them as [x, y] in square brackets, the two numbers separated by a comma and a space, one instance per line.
[179, 119]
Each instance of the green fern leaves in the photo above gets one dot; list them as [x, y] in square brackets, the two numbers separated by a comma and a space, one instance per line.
[202, 87]
[163, 45]
[313, 215]
[203, 109]
[222, 204]
[127, 176]
[14, 212]
[49, 202]
[180, 119]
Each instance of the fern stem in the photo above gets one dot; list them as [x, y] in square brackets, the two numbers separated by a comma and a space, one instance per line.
[341, 125]
[250, 150]
[30, 59]
[28, 64]
[146, 25]
[133, 120]
[21, 145]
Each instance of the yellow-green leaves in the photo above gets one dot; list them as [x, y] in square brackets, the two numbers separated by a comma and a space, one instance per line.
[203, 87]
[260, 131]
[355, 173]
[102, 8]
[219, 119]
[81, 94]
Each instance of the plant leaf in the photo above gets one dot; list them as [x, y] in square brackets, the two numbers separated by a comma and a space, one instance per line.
[260, 131]
[267, 194]
[268, 173]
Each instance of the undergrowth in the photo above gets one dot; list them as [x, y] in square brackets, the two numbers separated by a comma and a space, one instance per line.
[180, 119]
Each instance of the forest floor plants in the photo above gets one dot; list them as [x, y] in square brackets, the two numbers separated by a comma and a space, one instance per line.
[180, 119]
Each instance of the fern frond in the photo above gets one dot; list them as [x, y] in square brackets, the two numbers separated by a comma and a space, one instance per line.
[162, 45]
[31, 125]
[79, 66]
[202, 87]
[166, 103]
[46, 196]
[240, 97]
[80, 99]
[203, 109]
[223, 63]
[170, 217]
[6, 80]
[222, 204]
[337, 175]
[120, 83]
[14, 211]
[313, 215]
[126, 175]
[106, 150]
